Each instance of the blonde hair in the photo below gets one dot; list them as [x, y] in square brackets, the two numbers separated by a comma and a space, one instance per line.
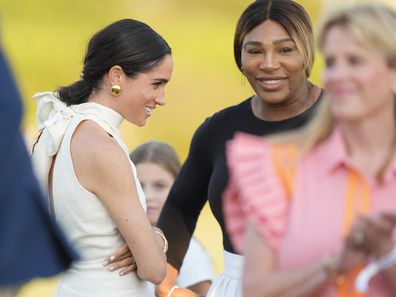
[374, 25]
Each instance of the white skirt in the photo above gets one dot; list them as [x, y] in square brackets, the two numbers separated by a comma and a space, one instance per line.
[228, 283]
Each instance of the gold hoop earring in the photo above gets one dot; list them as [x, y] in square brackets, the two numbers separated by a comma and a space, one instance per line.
[115, 90]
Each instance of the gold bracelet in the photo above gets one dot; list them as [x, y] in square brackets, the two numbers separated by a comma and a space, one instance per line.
[159, 232]
[171, 291]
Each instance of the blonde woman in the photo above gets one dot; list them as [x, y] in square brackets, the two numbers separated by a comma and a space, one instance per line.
[311, 209]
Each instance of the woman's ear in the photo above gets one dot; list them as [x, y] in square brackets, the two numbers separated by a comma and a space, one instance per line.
[115, 75]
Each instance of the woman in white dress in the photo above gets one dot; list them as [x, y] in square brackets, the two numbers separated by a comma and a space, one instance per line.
[82, 160]
[157, 165]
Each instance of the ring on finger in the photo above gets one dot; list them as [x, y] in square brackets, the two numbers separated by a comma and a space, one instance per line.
[358, 237]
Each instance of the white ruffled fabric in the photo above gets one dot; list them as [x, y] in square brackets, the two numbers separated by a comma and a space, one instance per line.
[53, 117]
[254, 192]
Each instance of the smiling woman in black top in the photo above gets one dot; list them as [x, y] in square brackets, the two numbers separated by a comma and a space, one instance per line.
[274, 49]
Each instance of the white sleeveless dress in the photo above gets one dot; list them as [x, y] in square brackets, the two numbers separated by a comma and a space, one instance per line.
[80, 213]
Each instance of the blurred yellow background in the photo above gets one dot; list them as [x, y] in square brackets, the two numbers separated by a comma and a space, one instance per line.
[45, 42]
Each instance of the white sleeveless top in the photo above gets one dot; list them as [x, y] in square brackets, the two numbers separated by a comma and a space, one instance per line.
[80, 213]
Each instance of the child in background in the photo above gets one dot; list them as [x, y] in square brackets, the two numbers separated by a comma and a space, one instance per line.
[157, 165]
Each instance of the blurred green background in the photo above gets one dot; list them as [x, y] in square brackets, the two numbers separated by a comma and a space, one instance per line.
[45, 42]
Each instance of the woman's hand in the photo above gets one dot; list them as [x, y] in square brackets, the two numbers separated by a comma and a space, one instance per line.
[379, 233]
[373, 234]
[121, 259]
[349, 258]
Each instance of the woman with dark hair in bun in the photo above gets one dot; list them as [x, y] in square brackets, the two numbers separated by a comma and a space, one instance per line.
[83, 162]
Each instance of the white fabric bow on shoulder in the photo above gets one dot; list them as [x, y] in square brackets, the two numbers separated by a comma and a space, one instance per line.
[53, 117]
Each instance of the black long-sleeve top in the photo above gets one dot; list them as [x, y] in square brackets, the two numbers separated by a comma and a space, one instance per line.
[204, 174]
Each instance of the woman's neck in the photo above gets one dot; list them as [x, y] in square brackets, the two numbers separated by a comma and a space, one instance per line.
[371, 144]
[101, 97]
[303, 100]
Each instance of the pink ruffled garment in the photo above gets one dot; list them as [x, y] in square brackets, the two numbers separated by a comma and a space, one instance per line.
[249, 196]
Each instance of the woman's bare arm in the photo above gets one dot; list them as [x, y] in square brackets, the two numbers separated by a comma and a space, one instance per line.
[261, 279]
[103, 168]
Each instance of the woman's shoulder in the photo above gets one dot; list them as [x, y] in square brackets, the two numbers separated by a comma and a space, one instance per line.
[91, 133]
[231, 111]
[220, 125]
[255, 190]
[97, 158]
[249, 156]
[223, 121]
[91, 142]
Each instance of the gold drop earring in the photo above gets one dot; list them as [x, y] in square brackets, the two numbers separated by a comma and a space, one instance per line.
[115, 90]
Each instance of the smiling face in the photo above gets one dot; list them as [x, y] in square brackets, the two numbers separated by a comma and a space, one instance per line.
[357, 78]
[141, 94]
[156, 183]
[272, 64]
